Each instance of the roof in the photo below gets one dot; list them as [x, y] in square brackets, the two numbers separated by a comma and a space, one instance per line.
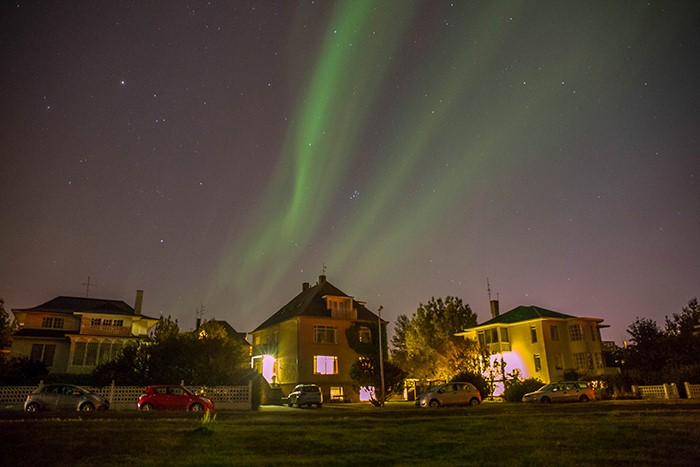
[525, 313]
[69, 305]
[310, 302]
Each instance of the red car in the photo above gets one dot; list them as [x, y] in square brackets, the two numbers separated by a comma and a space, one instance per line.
[173, 397]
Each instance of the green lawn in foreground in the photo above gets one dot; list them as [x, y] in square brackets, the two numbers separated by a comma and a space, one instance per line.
[600, 433]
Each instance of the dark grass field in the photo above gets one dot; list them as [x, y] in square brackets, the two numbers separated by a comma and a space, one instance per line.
[600, 433]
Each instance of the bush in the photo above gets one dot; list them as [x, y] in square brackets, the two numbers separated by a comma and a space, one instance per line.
[517, 389]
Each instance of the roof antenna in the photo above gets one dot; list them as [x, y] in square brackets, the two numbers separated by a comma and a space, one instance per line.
[87, 287]
[323, 269]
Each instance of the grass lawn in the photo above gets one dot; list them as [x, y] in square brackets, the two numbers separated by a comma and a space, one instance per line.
[600, 433]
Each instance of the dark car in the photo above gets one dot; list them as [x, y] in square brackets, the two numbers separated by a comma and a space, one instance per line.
[64, 397]
[173, 397]
[305, 394]
[563, 391]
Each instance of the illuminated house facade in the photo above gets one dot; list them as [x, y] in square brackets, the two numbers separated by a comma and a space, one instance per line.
[306, 341]
[74, 335]
[542, 343]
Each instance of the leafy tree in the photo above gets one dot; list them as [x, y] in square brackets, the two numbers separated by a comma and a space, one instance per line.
[425, 346]
[6, 328]
[668, 355]
[366, 373]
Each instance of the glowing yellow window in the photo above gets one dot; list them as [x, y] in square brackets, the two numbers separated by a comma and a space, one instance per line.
[325, 365]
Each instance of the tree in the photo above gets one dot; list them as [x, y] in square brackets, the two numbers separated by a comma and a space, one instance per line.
[365, 373]
[669, 355]
[425, 345]
[6, 328]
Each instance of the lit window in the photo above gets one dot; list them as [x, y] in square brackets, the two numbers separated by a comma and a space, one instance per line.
[365, 335]
[533, 334]
[337, 394]
[325, 365]
[324, 334]
[554, 332]
[575, 332]
[538, 362]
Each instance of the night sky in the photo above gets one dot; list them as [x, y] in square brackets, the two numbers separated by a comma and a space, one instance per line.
[219, 154]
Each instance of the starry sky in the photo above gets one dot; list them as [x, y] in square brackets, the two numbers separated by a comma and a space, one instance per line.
[219, 154]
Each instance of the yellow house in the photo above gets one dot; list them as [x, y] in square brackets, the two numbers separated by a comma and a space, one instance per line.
[306, 341]
[542, 343]
[74, 335]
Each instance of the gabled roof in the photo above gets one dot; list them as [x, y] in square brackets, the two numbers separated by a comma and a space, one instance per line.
[69, 305]
[310, 302]
[525, 313]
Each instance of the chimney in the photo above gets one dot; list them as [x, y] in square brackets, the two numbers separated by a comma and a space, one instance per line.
[139, 301]
[198, 323]
[321, 278]
[304, 286]
[494, 308]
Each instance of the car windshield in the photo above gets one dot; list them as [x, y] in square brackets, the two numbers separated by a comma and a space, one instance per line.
[546, 387]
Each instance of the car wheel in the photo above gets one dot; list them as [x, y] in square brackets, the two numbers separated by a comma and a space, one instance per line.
[545, 400]
[146, 407]
[87, 407]
[290, 404]
[434, 403]
[196, 408]
[474, 401]
[583, 398]
[33, 407]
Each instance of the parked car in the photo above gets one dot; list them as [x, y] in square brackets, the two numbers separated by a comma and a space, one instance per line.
[173, 397]
[450, 394]
[305, 394]
[64, 397]
[562, 391]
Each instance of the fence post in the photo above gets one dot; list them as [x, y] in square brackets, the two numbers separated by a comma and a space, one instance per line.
[111, 393]
[250, 394]
[635, 390]
[687, 390]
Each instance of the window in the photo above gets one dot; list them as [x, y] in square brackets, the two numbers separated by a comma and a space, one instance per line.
[554, 332]
[52, 323]
[43, 353]
[482, 339]
[592, 332]
[324, 334]
[341, 308]
[538, 362]
[91, 354]
[583, 361]
[492, 335]
[504, 335]
[119, 322]
[325, 365]
[96, 321]
[107, 322]
[598, 360]
[558, 361]
[533, 334]
[105, 351]
[79, 353]
[337, 394]
[575, 332]
[365, 336]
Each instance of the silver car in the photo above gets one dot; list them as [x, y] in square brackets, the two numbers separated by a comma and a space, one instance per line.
[450, 394]
[305, 394]
[64, 397]
[563, 391]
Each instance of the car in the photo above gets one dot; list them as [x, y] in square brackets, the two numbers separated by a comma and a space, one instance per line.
[455, 393]
[305, 395]
[173, 397]
[64, 397]
[561, 391]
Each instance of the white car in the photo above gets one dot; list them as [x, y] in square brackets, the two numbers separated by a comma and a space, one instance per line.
[455, 393]
[305, 394]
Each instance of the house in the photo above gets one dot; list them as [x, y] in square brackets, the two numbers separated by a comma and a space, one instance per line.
[306, 341]
[542, 343]
[74, 335]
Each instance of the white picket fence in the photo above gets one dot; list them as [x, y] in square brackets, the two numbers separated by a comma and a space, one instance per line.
[125, 397]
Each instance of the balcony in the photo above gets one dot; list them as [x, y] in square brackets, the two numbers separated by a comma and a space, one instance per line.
[498, 347]
[101, 330]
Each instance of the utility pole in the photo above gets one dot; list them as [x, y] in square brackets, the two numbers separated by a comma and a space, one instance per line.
[381, 356]
[87, 287]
